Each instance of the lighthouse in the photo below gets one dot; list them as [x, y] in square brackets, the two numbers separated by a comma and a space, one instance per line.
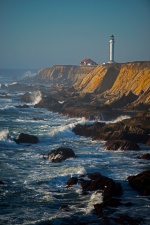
[111, 41]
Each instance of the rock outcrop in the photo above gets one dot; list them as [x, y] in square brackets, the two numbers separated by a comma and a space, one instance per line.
[26, 138]
[120, 85]
[59, 154]
[141, 182]
[122, 135]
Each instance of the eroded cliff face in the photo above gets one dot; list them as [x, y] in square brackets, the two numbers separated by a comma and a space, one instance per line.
[113, 81]
[117, 78]
[123, 85]
[66, 75]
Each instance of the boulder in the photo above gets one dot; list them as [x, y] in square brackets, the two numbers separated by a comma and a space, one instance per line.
[60, 154]
[1, 182]
[72, 181]
[26, 138]
[121, 145]
[145, 156]
[141, 182]
[98, 182]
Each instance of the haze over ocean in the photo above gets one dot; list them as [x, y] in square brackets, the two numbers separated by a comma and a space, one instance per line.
[42, 33]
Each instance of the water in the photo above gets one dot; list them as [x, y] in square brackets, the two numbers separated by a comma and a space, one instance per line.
[35, 189]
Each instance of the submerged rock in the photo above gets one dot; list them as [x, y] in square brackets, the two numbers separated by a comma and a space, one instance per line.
[26, 138]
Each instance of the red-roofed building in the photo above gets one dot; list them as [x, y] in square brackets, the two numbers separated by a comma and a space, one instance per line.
[88, 62]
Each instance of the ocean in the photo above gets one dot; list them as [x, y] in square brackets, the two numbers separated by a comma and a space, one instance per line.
[34, 189]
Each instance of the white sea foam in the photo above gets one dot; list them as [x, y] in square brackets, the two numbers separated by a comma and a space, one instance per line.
[4, 134]
[96, 198]
[36, 97]
[28, 74]
[120, 118]
[8, 107]
[66, 127]
[81, 171]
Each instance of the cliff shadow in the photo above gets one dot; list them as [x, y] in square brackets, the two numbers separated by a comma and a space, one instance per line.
[108, 80]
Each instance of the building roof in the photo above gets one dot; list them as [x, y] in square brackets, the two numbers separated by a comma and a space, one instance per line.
[88, 61]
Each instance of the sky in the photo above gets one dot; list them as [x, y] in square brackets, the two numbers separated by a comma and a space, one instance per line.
[41, 33]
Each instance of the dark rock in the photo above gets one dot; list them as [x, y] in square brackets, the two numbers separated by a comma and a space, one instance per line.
[135, 129]
[26, 138]
[148, 141]
[121, 145]
[1, 182]
[22, 106]
[128, 204]
[64, 208]
[141, 182]
[112, 202]
[72, 181]
[145, 156]
[60, 154]
[99, 182]
[99, 210]
[126, 219]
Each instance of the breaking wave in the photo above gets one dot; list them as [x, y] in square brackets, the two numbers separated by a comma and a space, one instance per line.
[4, 134]
[36, 97]
[122, 117]
[66, 127]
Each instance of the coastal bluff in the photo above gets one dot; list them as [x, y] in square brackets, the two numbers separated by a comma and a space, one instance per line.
[63, 74]
[118, 85]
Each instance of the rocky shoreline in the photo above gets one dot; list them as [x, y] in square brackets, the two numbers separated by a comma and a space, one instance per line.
[125, 135]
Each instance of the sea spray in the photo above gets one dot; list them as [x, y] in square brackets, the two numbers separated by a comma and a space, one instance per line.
[66, 127]
[4, 134]
[36, 97]
[32, 97]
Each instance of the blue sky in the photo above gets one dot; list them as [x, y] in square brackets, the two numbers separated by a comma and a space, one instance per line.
[42, 33]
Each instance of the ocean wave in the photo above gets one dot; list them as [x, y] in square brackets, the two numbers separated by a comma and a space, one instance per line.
[32, 97]
[66, 127]
[120, 118]
[8, 107]
[4, 134]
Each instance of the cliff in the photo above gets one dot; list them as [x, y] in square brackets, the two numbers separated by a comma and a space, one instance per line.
[116, 81]
[123, 85]
[66, 75]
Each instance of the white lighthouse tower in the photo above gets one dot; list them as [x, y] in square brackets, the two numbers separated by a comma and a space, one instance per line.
[111, 41]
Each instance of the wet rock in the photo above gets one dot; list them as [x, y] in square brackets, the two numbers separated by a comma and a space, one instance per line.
[65, 208]
[126, 219]
[135, 129]
[146, 156]
[148, 141]
[99, 182]
[60, 154]
[128, 204]
[121, 145]
[99, 210]
[72, 181]
[26, 138]
[22, 106]
[1, 182]
[141, 182]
